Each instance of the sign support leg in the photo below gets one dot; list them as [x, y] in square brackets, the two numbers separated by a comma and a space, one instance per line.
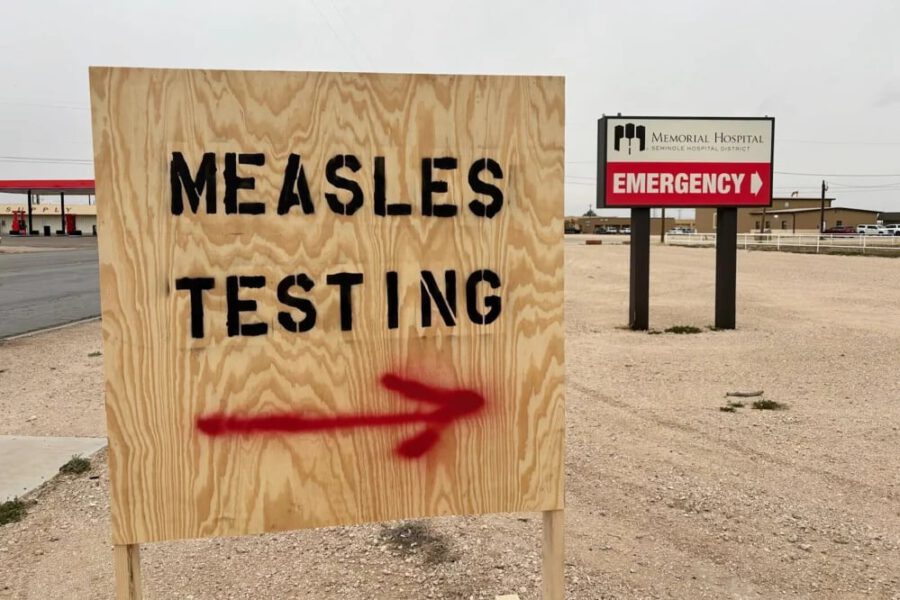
[127, 559]
[726, 267]
[639, 296]
[554, 579]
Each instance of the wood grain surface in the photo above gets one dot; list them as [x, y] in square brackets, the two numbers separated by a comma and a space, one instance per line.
[170, 480]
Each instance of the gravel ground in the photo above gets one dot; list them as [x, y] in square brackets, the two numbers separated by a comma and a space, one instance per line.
[667, 495]
[52, 383]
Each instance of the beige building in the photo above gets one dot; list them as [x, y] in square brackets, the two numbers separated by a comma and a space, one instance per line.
[793, 215]
[46, 219]
[806, 220]
[749, 219]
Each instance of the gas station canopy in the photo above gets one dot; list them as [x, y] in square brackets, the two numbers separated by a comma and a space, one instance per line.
[73, 187]
[34, 188]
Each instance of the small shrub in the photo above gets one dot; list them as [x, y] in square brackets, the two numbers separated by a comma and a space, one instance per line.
[736, 404]
[768, 405]
[12, 511]
[654, 332]
[76, 466]
[95, 354]
[682, 329]
[728, 408]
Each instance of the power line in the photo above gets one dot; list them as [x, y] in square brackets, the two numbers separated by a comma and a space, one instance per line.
[838, 174]
[866, 185]
[867, 191]
[45, 104]
[337, 36]
[830, 143]
[353, 36]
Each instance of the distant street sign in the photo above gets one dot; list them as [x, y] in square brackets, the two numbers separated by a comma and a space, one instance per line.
[684, 162]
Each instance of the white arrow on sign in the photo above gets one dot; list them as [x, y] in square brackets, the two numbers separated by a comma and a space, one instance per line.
[755, 183]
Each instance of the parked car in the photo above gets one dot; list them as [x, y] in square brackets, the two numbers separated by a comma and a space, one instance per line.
[869, 229]
[681, 231]
[892, 229]
[625, 230]
[572, 229]
[843, 230]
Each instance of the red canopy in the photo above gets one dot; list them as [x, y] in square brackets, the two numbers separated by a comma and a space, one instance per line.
[78, 187]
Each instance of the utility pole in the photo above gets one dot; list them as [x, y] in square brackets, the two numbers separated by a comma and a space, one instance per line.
[662, 227]
[822, 208]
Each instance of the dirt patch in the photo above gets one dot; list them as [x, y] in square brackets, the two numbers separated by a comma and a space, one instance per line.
[413, 538]
[51, 385]
[667, 497]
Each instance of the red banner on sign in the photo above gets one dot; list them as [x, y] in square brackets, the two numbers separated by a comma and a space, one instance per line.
[630, 184]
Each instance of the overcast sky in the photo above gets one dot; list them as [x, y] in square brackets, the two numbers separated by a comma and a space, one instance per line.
[828, 71]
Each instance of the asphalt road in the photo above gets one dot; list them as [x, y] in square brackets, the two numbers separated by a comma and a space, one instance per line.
[43, 289]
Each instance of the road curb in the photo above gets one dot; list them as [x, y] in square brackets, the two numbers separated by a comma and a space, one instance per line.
[49, 329]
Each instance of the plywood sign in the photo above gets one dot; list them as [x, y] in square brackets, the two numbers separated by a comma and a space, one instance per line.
[328, 298]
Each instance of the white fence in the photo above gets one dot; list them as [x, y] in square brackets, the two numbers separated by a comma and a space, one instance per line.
[801, 242]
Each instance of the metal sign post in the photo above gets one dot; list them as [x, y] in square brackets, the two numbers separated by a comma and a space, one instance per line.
[684, 162]
[726, 267]
[639, 290]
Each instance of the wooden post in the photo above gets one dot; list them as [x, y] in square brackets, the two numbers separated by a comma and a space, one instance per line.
[127, 558]
[554, 577]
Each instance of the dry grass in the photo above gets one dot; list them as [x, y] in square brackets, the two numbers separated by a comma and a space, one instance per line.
[684, 329]
[768, 405]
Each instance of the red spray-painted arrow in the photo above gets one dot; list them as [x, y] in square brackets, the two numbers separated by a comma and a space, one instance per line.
[452, 404]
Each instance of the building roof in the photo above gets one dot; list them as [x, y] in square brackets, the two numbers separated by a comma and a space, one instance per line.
[75, 187]
[50, 209]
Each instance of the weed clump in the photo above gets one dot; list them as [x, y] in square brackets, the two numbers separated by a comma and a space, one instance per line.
[684, 329]
[12, 511]
[76, 466]
[768, 405]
